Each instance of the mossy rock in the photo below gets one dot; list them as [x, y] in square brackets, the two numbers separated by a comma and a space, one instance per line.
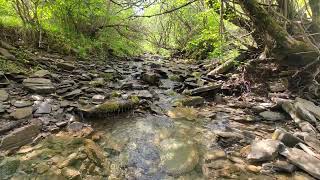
[190, 101]
[184, 113]
[8, 167]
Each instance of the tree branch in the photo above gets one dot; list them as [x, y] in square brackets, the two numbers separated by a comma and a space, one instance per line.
[166, 12]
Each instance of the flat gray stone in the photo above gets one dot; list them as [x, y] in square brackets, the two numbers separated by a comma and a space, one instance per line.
[264, 150]
[22, 113]
[304, 161]
[272, 116]
[22, 104]
[39, 85]
[41, 74]
[44, 108]
[3, 95]
[20, 136]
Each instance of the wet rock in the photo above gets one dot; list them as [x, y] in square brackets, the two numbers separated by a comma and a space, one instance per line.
[73, 94]
[272, 116]
[150, 78]
[6, 54]
[41, 74]
[44, 108]
[39, 85]
[285, 137]
[184, 113]
[22, 103]
[110, 106]
[22, 113]
[3, 95]
[178, 157]
[304, 161]
[20, 136]
[98, 98]
[264, 150]
[190, 101]
[66, 66]
[214, 155]
[144, 94]
[8, 167]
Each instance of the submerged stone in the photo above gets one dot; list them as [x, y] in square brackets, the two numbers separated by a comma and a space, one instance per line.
[183, 113]
[177, 156]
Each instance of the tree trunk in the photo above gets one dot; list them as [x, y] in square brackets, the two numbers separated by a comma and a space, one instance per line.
[315, 27]
[290, 50]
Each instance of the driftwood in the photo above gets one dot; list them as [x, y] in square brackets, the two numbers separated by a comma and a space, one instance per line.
[226, 66]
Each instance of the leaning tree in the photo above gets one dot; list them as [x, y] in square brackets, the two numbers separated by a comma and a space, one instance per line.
[289, 30]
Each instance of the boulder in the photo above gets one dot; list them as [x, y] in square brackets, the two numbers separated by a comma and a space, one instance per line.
[22, 113]
[151, 78]
[304, 161]
[20, 136]
[41, 74]
[285, 137]
[272, 116]
[3, 95]
[39, 85]
[178, 157]
[264, 150]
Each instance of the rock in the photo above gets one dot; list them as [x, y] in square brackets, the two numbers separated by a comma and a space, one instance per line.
[310, 106]
[150, 78]
[75, 127]
[272, 116]
[22, 113]
[284, 166]
[71, 173]
[3, 95]
[9, 126]
[73, 94]
[22, 104]
[190, 101]
[4, 81]
[8, 167]
[6, 45]
[41, 74]
[66, 66]
[183, 113]
[98, 82]
[178, 157]
[110, 106]
[144, 94]
[203, 90]
[5, 53]
[98, 98]
[2, 108]
[304, 161]
[264, 150]
[285, 137]
[39, 85]
[44, 108]
[303, 113]
[214, 155]
[277, 86]
[20, 136]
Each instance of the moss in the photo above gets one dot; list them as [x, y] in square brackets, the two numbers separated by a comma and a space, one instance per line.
[134, 99]
[110, 106]
[108, 77]
[115, 94]
[9, 166]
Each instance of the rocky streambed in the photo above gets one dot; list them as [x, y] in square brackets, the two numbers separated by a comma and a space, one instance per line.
[150, 118]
